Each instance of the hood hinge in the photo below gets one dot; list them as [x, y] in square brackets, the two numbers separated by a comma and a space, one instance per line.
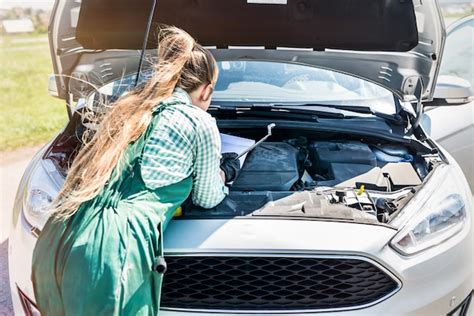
[418, 107]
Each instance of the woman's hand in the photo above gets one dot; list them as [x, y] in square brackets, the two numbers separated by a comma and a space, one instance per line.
[230, 165]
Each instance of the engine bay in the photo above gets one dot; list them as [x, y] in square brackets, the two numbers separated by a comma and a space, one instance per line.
[349, 179]
[305, 171]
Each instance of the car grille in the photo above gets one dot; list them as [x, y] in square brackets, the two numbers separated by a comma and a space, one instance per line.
[272, 283]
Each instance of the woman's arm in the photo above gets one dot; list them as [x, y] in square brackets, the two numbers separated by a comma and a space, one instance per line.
[208, 186]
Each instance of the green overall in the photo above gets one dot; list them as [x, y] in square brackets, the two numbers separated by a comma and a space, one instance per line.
[101, 261]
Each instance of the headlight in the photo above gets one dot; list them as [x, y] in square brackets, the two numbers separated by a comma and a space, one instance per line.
[39, 194]
[442, 216]
[38, 202]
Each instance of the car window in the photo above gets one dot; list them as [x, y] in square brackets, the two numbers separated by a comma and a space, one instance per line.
[274, 82]
[458, 52]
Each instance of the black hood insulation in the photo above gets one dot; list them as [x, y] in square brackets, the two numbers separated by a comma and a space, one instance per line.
[364, 25]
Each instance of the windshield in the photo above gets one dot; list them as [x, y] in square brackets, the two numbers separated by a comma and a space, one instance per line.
[284, 83]
[258, 81]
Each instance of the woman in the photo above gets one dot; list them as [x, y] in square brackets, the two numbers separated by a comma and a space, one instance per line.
[100, 253]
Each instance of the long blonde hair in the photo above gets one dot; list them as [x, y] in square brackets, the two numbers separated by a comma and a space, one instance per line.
[181, 62]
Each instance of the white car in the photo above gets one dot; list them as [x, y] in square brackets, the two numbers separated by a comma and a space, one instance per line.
[349, 206]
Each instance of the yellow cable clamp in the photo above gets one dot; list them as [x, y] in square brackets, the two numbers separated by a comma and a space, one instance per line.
[178, 212]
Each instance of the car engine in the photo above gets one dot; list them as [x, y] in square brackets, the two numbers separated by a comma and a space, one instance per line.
[355, 180]
[283, 166]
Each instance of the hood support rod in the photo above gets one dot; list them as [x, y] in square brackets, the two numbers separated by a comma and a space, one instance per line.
[418, 108]
[145, 40]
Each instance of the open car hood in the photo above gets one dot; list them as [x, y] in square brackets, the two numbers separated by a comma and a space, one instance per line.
[394, 43]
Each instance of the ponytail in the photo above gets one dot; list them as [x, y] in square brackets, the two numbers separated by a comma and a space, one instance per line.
[181, 62]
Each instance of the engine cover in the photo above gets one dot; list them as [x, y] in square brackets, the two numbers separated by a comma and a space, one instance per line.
[269, 167]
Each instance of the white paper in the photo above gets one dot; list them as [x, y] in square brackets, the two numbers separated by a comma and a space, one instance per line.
[235, 144]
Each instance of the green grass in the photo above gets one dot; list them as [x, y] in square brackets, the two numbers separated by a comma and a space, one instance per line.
[460, 15]
[28, 114]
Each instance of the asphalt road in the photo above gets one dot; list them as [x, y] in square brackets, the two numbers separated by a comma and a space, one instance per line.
[6, 308]
[12, 165]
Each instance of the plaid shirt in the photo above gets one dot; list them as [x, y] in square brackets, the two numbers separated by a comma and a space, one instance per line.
[184, 142]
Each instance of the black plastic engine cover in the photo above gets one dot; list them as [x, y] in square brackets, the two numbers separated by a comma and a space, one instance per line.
[270, 166]
[339, 161]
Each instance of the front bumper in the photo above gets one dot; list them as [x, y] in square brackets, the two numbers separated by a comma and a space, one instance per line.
[434, 282]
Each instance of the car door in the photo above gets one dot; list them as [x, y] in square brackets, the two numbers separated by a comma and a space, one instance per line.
[453, 126]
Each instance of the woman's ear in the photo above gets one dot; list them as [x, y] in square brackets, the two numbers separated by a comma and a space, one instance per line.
[206, 92]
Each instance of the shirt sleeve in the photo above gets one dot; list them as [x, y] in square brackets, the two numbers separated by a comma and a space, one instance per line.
[208, 187]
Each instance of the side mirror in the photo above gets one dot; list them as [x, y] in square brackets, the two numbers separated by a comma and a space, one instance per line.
[52, 86]
[451, 90]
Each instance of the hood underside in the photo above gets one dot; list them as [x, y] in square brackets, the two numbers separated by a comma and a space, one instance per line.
[393, 43]
[366, 25]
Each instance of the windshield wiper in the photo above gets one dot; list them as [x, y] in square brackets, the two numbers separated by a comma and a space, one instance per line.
[302, 110]
[268, 110]
[395, 118]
